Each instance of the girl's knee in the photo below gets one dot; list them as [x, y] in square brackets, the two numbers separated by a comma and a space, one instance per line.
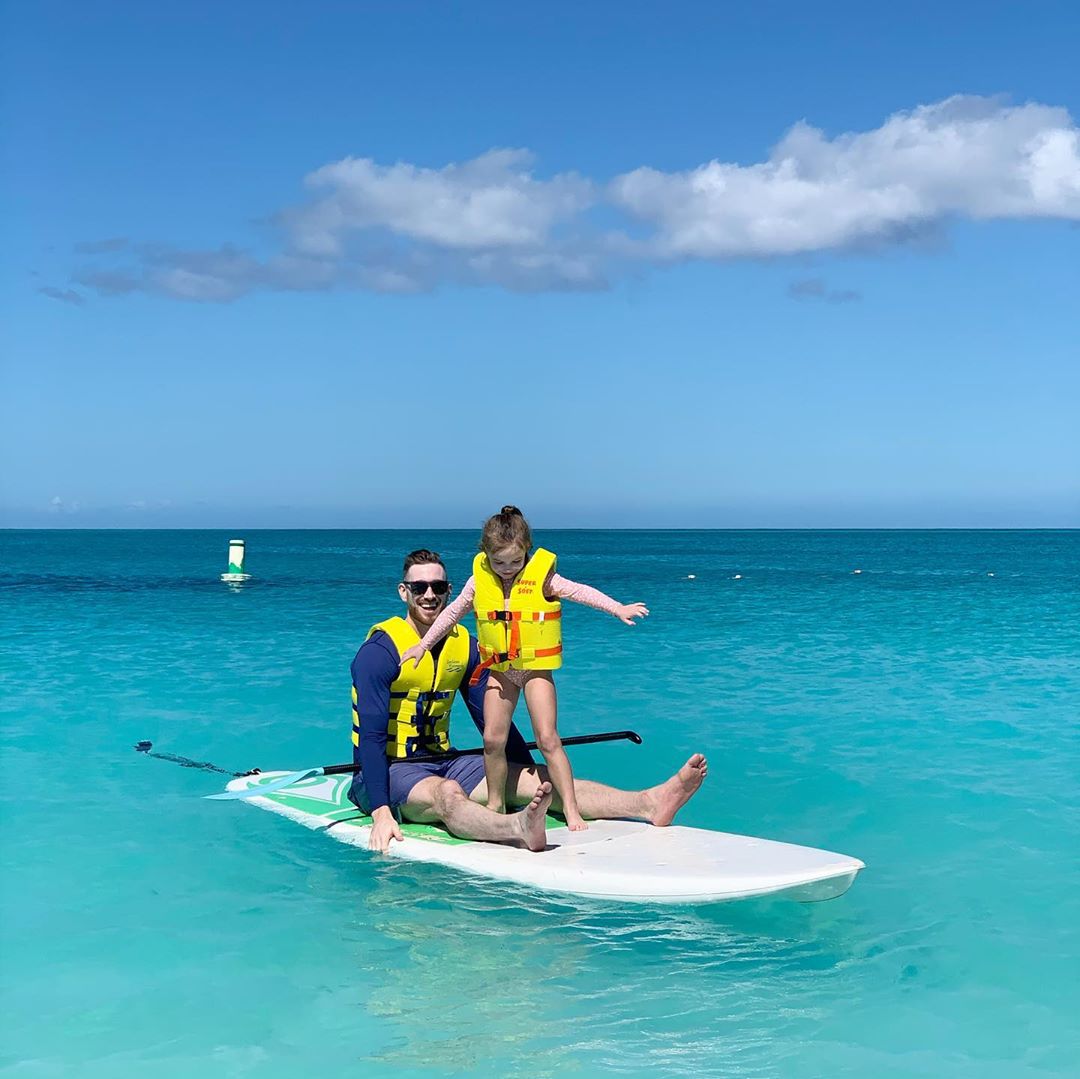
[548, 742]
[494, 740]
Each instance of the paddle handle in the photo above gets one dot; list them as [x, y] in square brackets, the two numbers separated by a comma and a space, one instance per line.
[428, 758]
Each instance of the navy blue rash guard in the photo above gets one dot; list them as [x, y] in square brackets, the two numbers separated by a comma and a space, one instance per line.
[373, 672]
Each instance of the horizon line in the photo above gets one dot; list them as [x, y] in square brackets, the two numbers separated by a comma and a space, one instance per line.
[618, 528]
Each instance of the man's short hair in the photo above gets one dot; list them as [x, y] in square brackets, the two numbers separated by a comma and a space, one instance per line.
[422, 557]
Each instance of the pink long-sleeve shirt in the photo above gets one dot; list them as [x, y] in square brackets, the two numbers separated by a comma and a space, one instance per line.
[555, 587]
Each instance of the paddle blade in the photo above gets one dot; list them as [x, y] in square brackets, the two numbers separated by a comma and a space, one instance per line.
[266, 788]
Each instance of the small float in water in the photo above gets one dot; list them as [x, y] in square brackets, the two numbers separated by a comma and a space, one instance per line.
[235, 573]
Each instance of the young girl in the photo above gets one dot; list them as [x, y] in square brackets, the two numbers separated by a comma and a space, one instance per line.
[516, 599]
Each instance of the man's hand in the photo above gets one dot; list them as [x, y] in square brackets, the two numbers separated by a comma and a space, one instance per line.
[627, 612]
[416, 653]
[384, 827]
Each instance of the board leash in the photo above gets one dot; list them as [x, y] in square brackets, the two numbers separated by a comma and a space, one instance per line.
[146, 746]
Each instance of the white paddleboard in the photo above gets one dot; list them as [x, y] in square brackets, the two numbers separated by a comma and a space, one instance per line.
[614, 860]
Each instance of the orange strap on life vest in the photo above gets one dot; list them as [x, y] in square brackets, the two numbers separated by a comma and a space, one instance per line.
[504, 657]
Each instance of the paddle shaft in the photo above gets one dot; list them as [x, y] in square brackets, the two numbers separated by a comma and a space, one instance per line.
[578, 740]
[344, 769]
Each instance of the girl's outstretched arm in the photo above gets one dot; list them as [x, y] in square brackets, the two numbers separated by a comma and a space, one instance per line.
[442, 625]
[559, 587]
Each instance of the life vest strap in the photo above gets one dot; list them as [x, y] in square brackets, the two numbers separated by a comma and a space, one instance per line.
[422, 695]
[523, 616]
[492, 658]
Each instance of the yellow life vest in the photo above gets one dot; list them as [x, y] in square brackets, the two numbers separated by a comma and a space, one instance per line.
[525, 631]
[421, 696]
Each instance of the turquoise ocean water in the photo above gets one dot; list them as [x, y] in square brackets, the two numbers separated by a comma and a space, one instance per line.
[922, 715]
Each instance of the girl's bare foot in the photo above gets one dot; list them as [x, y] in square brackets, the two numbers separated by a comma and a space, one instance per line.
[670, 796]
[576, 823]
[532, 820]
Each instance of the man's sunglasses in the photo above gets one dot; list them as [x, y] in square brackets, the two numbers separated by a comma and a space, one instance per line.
[418, 588]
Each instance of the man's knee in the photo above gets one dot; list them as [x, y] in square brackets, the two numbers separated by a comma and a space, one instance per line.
[448, 793]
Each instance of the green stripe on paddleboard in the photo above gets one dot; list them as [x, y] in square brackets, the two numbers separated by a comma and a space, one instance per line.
[341, 813]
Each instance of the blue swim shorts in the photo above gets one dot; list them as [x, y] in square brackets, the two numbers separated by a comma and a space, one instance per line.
[466, 771]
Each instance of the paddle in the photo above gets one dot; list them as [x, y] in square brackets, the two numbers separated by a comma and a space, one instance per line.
[345, 769]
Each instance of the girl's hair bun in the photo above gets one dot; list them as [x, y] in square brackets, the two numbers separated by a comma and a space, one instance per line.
[508, 527]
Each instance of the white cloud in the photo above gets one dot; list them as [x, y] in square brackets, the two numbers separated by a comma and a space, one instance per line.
[964, 156]
[492, 201]
[490, 221]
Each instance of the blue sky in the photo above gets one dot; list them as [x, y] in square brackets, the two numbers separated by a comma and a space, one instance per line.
[357, 264]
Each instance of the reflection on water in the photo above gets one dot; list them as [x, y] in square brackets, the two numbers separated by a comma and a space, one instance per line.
[494, 977]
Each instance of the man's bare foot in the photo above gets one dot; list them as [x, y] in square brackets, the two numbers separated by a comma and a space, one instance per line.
[532, 819]
[669, 797]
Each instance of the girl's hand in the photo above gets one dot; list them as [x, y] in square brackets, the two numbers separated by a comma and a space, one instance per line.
[416, 653]
[627, 612]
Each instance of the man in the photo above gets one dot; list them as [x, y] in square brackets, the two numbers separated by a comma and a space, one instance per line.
[399, 713]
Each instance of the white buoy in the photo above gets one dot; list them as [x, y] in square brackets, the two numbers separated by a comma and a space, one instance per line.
[235, 573]
[989, 575]
[856, 571]
[691, 576]
[737, 577]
